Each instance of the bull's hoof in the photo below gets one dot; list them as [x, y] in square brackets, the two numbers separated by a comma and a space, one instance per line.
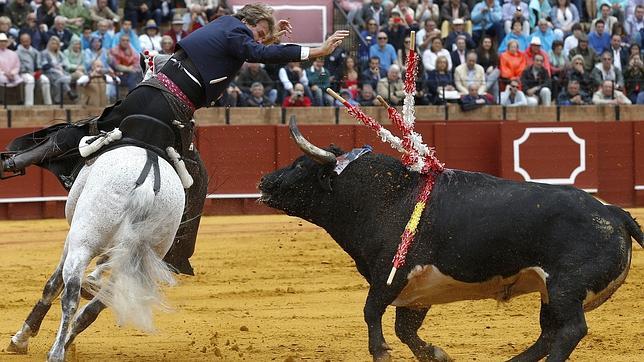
[18, 348]
[383, 357]
[431, 353]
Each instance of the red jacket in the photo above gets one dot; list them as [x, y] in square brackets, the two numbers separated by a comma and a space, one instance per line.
[303, 102]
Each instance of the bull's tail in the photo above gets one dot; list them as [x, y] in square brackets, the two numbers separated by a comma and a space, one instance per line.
[634, 229]
[137, 271]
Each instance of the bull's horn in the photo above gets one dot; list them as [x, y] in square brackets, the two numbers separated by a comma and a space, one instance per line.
[314, 152]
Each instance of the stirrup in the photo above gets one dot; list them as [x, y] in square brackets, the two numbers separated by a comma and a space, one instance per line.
[5, 174]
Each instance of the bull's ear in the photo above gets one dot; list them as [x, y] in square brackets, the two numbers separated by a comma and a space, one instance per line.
[325, 176]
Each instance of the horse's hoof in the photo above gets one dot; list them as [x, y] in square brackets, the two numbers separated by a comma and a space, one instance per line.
[18, 348]
[383, 357]
[431, 353]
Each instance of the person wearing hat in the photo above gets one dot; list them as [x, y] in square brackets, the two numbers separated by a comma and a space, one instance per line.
[587, 53]
[9, 64]
[458, 30]
[197, 74]
[533, 50]
[176, 32]
[126, 29]
[150, 39]
[545, 34]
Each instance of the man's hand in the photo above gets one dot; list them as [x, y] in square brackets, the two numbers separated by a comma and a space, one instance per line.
[144, 8]
[329, 44]
[576, 99]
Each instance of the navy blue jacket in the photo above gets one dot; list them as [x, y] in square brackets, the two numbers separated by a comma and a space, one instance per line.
[220, 48]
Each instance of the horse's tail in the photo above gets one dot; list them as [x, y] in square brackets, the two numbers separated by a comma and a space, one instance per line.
[137, 271]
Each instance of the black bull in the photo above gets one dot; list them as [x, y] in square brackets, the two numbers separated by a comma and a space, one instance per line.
[479, 237]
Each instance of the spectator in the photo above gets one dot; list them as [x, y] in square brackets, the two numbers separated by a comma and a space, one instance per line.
[125, 61]
[176, 32]
[633, 79]
[140, 11]
[101, 11]
[194, 19]
[47, 12]
[77, 15]
[167, 45]
[579, 74]
[516, 10]
[95, 52]
[30, 64]
[468, 74]
[487, 18]
[367, 98]
[9, 64]
[558, 62]
[617, 8]
[373, 74]
[297, 98]
[591, 9]
[17, 12]
[334, 63]
[635, 49]
[53, 66]
[232, 97]
[545, 34]
[430, 55]
[150, 39]
[252, 73]
[587, 53]
[375, 11]
[34, 31]
[607, 94]
[458, 30]
[391, 87]
[517, 35]
[607, 71]
[406, 13]
[349, 76]
[384, 51]
[370, 35]
[291, 74]
[536, 82]
[539, 9]
[620, 54]
[572, 41]
[348, 97]
[513, 96]
[534, 50]
[426, 34]
[5, 27]
[440, 83]
[599, 39]
[564, 15]
[512, 62]
[460, 54]
[351, 7]
[573, 96]
[454, 9]
[86, 37]
[98, 86]
[396, 30]
[318, 83]
[635, 23]
[488, 58]
[257, 97]
[102, 32]
[73, 56]
[473, 99]
[426, 9]
[126, 29]
[61, 32]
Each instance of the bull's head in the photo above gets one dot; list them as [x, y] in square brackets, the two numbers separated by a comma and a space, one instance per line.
[296, 188]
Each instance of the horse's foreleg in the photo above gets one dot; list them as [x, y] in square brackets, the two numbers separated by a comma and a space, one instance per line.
[84, 319]
[20, 341]
[73, 269]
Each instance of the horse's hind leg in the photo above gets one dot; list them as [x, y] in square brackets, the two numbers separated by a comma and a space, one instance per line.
[20, 341]
[76, 262]
[84, 319]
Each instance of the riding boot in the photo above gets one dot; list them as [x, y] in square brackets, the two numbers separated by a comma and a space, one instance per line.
[37, 154]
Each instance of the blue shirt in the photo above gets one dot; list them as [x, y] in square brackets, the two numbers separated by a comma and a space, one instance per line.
[522, 39]
[599, 43]
[546, 38]
[387, 55]
[134, 40]
[485, 20]
[107, 40]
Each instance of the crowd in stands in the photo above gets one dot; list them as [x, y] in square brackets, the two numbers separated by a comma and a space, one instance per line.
[509, 52]
[65, 46]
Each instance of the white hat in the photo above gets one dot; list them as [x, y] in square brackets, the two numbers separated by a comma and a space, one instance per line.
[458, 21]
[535, 41]
[3, 37]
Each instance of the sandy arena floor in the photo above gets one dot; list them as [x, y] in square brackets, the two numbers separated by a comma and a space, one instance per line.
[276, 288]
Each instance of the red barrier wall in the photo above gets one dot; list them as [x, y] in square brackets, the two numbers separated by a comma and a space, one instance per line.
[238, 156]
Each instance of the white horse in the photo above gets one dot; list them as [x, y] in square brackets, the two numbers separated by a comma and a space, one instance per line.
[131, 227]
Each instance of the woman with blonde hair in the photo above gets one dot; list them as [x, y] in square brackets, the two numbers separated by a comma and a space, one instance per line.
[54, 67]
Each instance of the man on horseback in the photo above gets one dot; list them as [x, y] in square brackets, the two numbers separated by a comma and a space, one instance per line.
[195, 76]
